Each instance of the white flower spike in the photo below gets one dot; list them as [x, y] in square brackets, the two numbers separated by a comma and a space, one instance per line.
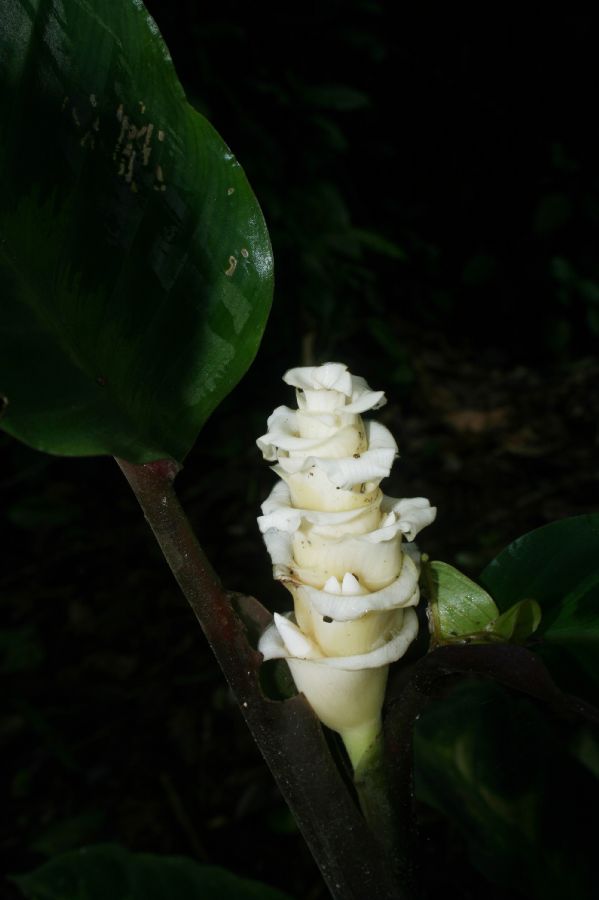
[336, 543]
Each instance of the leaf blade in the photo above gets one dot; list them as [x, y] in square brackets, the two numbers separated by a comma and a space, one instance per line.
[135, 262]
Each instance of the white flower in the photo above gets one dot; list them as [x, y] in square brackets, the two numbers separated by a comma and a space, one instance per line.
[337, 544]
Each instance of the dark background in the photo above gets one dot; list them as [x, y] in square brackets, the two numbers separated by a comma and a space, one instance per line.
[431, 185]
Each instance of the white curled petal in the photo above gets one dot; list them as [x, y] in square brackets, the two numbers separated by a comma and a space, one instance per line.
[349, 637]
[279, 513]
[414, 513]
[344, 691]
[320, 383]
[296, 642]
[284, 436]
[373, 536]
[389, 652]
[271, 644]
[342, 607]
[363, 397]
[312, 489]
[373, 465]
[278, 545]
[319, 425]
[347, 473]
[375, 563]
[329, 377]
[280, 422]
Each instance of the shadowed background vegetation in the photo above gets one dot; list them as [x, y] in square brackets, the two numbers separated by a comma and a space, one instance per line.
[432, 194]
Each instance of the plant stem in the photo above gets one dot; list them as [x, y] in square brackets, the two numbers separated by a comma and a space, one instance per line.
[383, 782]
[288, 734]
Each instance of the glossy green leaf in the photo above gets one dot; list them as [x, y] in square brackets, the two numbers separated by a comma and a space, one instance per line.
[135, 265]
[558, 566]
[518, 622]
[109, 872]
[490, 763]
[458, 605]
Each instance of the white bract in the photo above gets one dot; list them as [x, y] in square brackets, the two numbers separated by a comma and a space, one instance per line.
[338, 545]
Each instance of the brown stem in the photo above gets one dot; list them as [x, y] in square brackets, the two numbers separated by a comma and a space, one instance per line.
[287, 732]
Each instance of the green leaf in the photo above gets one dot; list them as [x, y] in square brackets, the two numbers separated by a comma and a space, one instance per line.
[135, 265]
[108, 871]
[547, 564]
[490, 763]
[518, 622]
[458, 605]
[558, 567]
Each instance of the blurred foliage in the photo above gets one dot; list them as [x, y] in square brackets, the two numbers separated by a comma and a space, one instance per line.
[501, 772]
[409, 174]
[100, 872]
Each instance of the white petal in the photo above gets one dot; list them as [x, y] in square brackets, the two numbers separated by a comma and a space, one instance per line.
[273, 647]
[351, 586]
[347, 472]
[279, 513]
[320, 400]
[391, 651]
[279, 546]
[332, 586]
[284, 437]
[342, 608]
[334, 377]
[414, 513]
[330, 376]
[296, 643]
[345, 692]
[374, 561]
[311, 489]
[363, 398]
[373, 465]
[351, 637]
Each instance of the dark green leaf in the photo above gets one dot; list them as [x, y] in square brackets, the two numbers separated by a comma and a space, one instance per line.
[518, 622]
[546, 565]
[135, 265]
[109, 872]
[458, 605]
[558, 566]
[490, 763]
